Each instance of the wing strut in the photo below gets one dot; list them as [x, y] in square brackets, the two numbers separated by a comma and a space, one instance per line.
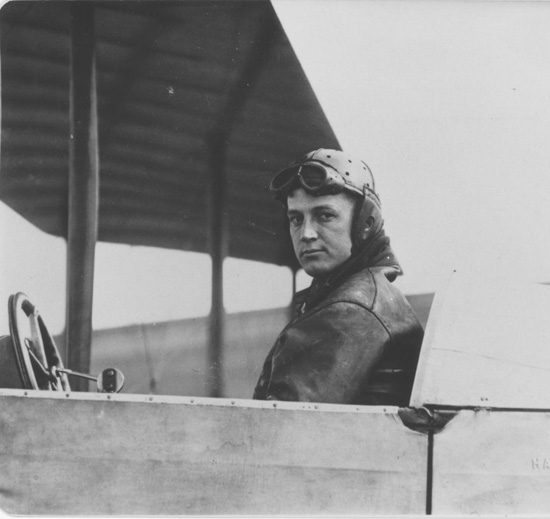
[218, 139]
[83, 191]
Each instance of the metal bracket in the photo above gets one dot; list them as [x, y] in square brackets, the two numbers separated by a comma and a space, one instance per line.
[425, 420]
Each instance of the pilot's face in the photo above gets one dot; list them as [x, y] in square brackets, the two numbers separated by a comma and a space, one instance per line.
[320, 228]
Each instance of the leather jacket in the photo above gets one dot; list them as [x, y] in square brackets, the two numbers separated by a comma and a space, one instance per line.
[355, 339]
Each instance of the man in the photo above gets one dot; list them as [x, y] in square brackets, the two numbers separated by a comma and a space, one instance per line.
[354, 339]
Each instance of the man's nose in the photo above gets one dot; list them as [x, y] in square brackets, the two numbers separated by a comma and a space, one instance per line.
[309, 231]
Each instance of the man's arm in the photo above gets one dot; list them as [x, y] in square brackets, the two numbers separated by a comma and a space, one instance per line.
[328, 356]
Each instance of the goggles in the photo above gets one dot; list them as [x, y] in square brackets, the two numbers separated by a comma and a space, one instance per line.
[314, 178]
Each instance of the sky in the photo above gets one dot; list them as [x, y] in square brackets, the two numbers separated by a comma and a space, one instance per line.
[449, 104]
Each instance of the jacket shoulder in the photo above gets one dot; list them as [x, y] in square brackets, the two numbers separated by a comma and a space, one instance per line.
[371, 289]
[360, 288]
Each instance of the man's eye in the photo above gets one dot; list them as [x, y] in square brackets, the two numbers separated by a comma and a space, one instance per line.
[295, 220]
[326, 216]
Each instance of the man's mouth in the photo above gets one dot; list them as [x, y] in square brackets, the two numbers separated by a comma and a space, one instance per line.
[310, 252]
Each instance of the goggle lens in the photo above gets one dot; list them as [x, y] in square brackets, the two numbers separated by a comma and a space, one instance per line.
[283, 179]
[313, 178]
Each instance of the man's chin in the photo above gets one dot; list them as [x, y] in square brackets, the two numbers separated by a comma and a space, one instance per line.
[315, 269]
[318, 267]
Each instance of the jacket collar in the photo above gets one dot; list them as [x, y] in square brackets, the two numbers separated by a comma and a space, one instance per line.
[376, 253]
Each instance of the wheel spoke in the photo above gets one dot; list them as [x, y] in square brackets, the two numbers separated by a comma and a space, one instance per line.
[37, 365]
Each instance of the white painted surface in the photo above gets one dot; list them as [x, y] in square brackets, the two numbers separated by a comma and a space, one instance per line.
[492, 463]
[137, 454]
[487, 344]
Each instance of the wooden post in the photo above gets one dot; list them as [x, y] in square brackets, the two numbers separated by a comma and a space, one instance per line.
[265, 21]
[217, 148]
[218, 252]
[83, 191]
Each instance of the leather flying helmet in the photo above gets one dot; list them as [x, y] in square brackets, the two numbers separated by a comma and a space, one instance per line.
[328, 172]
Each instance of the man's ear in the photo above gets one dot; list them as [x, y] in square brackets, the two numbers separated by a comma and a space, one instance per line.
[368, 227]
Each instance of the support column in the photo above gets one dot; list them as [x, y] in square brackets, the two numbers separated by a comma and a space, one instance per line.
[236, 96]
[218, 252]
[83, 191]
